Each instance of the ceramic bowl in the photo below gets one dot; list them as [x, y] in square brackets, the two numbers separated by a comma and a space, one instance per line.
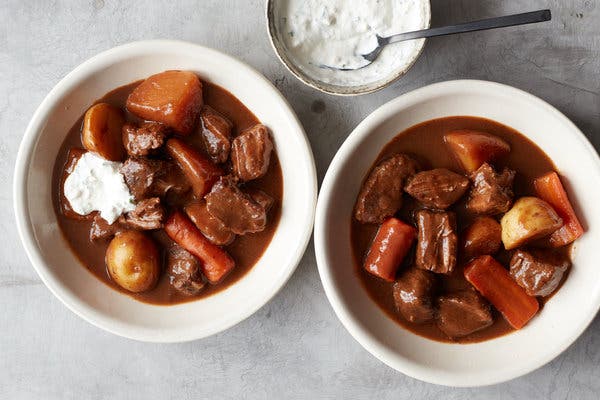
[78, 288]
[563, 318]
[273, 11]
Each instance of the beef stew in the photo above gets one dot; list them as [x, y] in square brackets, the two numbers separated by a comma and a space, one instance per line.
[168, 166]
[493, 230]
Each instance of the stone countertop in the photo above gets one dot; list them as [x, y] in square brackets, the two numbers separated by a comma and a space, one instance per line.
[294, 347]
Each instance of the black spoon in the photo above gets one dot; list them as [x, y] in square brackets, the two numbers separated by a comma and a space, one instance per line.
[483, 24]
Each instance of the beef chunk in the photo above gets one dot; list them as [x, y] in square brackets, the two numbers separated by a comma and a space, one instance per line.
[413, 293]
[438, 188]
[215, 131]
[539, 273]
[492, 192]
[184, 271]
[251, 152]
[261, 198]
[462, 313]
[148, 214]
[211, 227]
[437, 241]
[381, 194]
[234, 208]
[140, 176]
[148, 178]
[102, 230]
[144, 140]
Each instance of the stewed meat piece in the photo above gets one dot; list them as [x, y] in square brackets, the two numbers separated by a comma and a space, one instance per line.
[462, 313]
[437, 188]
[381, 194]
[102, 230]
[215, 131]
[492, 192]
[413, 293]
[148, 214]
[144, 140]
[538, 272]
[251, 153]
[437, 241]
[148, 178]
[211, 227]
[184, 271]
[235, 209]
[261, 198]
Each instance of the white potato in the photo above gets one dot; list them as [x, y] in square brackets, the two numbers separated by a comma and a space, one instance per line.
[101, 132]
[529, 218]
[133, 261]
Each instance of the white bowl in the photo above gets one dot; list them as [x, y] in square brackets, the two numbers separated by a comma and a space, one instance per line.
[79, 289]
[563, 318]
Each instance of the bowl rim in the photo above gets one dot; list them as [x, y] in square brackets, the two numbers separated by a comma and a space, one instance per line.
[362, 336]
[322, 86]
[25, 153]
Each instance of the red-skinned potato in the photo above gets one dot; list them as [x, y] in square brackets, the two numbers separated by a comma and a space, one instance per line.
[473, 148]
[101, 132]
[133, 261]
[173, 98]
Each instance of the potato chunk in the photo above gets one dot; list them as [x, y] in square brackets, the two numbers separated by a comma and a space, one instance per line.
[482, 237]
[101, 132]
[173, 98]
[473, 148]
[133, 261]
[530, 218]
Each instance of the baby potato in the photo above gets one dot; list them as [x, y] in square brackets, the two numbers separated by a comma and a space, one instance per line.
[101, 133]
[133, 261]
[530, 218]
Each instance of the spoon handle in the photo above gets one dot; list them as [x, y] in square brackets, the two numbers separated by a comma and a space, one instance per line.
[483, 24]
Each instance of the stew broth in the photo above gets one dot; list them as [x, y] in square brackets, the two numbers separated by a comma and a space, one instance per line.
[425, 142]
[245, 250]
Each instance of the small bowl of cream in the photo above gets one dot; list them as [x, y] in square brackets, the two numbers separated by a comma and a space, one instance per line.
[321, 41]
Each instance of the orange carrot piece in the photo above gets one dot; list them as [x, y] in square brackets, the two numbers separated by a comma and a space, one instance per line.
[216, 263]
[550, 189]
[391, 244]
[494, 283]
[199, 170]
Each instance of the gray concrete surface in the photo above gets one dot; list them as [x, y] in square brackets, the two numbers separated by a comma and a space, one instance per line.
[294, 347]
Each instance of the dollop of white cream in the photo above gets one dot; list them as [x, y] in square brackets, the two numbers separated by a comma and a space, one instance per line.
[336, 33]
[95, 184]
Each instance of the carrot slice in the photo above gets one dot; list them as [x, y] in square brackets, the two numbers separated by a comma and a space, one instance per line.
[391, 244]
[199, 170]
[550, 189]
[495, 284]
[216, 263]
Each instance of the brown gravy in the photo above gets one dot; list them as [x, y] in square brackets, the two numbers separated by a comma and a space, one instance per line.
[425, 142]
[245, 250]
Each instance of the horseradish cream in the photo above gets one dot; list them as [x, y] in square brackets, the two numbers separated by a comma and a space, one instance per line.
[95, 184]
[334, 33]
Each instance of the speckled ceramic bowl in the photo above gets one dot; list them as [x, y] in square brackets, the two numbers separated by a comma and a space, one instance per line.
[279, 46]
